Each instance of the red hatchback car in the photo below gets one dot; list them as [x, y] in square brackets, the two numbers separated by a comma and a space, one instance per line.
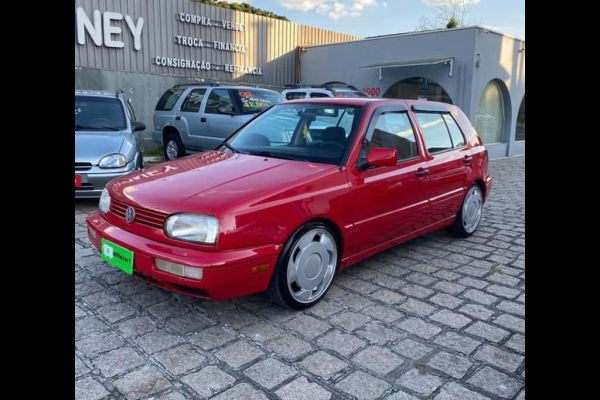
[303, 190]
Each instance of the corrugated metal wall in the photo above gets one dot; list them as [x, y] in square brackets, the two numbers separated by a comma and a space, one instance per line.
[270, 44]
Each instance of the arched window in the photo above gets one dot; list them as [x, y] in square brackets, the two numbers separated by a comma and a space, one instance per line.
[520, 133]
[418, 88]
[489, 120]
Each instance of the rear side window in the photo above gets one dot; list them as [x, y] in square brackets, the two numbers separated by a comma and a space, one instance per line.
[168, 100]
[295, 95]
[435, 132]
[255, 100]
[458, 140]
[318, 94]
[349, 94]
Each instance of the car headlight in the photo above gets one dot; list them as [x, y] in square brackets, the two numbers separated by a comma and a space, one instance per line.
[192, 228]
[113, 161]
[104, 203]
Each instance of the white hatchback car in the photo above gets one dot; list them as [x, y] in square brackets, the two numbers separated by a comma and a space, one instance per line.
[328, 89]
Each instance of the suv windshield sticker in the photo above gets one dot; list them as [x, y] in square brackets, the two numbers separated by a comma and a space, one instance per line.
[252, 101]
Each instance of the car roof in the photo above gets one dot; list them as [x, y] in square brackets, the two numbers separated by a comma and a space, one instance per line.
[224, 86]
[362, 101]
[99, 93]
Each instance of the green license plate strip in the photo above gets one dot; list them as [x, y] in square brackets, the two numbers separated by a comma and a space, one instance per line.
[117, 256]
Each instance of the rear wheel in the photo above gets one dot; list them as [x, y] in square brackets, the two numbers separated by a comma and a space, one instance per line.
[173, 147]
[306, 267]
[470, 213]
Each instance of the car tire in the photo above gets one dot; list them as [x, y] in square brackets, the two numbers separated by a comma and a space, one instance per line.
[469, 215]
[140, 161]
[314, 251]
[173, 147]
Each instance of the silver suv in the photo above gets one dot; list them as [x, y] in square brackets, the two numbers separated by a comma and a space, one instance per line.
[198, 117]
[327, 89]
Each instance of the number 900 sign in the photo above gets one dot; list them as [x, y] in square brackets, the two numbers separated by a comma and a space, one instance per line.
[372, 91]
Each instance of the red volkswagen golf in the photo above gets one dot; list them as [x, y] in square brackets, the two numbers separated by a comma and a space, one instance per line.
[302, 191]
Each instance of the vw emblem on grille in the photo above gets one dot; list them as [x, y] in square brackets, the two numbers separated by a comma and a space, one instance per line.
[130, 214]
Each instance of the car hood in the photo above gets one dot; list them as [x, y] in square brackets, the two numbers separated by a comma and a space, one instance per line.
[92, 146]
[209, 182]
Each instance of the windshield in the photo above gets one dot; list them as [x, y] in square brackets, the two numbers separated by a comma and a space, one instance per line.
[305, 132]
[99, 113]
[254, 100]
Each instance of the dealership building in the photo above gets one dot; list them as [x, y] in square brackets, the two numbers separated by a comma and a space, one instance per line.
[146, 46]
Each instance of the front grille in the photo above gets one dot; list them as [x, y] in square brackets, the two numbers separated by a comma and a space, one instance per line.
[83, 166]
[142, 215]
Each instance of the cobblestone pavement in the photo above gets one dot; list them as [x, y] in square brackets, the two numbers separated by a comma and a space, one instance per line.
[436, 318]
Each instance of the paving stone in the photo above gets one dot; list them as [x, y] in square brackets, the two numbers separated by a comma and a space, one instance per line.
[476, 311]
[446, 300]
[454, 365]
[79, 313]
[387, 296]
[521, 395]
[386, 315]
[136, 326]
[150, 297]
[290, 347]
[420, 279]
[191, 322]
[80, 368]
[87, 326]
[401, 396]
[416, 291]
[376, 333]
[100, 299]
[487, 331]
[450, 319]
[237, 318]
[447, 275]
[323, 365]
[504, 279]
[517, 343]
[308, 326]
[324, 309]
[241, 391]
[449, 287]
[456, 342]
[270, 372]
[157, 340]
[521, 298]
[417, 307]
[349, 320]
[419, 327]
[89, 389]
[362, 386]
[354, 301]
[213, 337]
[503, 291]
[364, 287]
[389, 282]
[181, 359]
[342, 343]
[496, 382]
[117, 361]
[455, 391]
[412, 349]
[141, 383]
[98, 343]
[499, 358]
[512, 308]
[116, 312]
[262, 332]
[378, 360]
[174, 395]
[479, 297]
[422, 383]
[474, 283]
[208, 381]
[509, 322]
[302, 389]
[238, 354]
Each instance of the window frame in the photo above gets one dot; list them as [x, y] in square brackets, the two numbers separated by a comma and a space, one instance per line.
[438, 111]
[459, 130]
[190, 95]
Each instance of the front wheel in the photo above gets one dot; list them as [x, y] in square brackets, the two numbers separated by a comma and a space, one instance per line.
[470, 213]
[173, 147]
[306, 267]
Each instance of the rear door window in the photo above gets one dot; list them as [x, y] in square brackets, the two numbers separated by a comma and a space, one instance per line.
[295, 95]
[168, 99]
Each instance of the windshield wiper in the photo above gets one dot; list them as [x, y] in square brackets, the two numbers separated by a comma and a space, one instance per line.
[230, 147]
[79, 127]
[269, 154]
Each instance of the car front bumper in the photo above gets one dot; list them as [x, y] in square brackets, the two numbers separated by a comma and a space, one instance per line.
[225, 274]
[94, 180]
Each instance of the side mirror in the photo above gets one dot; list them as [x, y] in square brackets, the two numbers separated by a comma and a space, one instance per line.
[225, 110]
[138, 126]
[380, 157]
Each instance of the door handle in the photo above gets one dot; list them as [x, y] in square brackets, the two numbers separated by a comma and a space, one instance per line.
[468, 159]
[202, 119]
[178, 118]
[422, 172]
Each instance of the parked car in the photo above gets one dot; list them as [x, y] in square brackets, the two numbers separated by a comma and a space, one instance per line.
[108, 140]
[198, 117]
[328, 89]
[253, 217]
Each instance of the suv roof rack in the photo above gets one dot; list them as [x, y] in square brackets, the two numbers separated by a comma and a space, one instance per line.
[332, 85]
[118, 92]
[180, 85]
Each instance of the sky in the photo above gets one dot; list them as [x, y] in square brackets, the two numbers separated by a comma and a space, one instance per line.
[380, 17]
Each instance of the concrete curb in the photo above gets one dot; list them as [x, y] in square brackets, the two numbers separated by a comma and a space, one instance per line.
[149, 159]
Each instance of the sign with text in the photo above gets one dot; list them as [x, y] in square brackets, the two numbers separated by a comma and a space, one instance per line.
[103, 31]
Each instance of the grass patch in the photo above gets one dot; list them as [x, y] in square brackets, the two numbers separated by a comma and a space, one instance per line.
[495, 269]
[420, 366]
[153, 152]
